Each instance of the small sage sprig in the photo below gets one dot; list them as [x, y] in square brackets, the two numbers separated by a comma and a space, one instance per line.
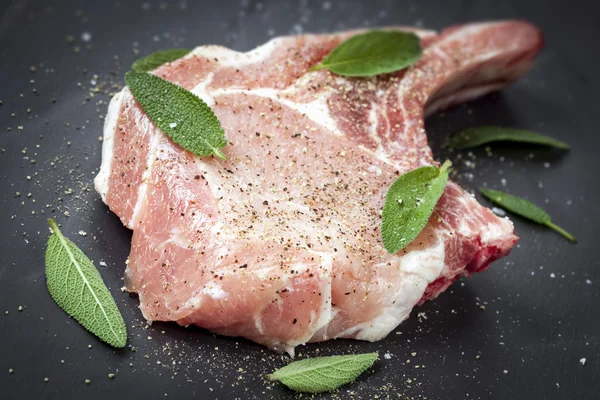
[373, 53]
[481, 135]
[524, 208]
[77, 287]
[323, 374]
[409, 203]
[179, 113]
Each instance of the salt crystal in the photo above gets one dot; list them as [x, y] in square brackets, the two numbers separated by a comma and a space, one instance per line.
[172, 124]
[86, 36]
[82, 233]
[588, 281]
[102, 264]
[582, 361]
[387, 356]
[553, 275]
[499, 212]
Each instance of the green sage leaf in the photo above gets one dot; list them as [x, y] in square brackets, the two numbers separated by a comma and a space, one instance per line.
[323, 374]
[524, 208]
[481, 135]
[77, 287]
[179, 113]
[373, 53]
[409, 202]
[157, 59]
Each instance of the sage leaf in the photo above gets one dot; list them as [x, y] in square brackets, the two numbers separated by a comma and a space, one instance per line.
[524, 208]
[77, 287]
[481, 135]
[373, 53]
[409, 202]
[179, 113]
[158, 58]
[323, 374]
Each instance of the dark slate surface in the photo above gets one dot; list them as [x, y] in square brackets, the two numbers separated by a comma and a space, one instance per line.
[541, 303]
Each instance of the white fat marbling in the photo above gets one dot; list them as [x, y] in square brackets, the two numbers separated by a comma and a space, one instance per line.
[200, 90]
[420, 267]
[215, 291]
[143, 188]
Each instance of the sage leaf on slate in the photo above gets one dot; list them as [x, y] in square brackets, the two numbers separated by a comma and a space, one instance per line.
[157, 59]
[409, 202]
[481, 135]
[179, 113]
[323, 374]
[373, 53]
[524, 208]
[77, 287]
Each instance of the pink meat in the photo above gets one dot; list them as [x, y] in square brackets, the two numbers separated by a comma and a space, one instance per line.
[281, 243]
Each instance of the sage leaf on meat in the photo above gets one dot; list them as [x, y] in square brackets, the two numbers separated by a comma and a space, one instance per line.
[409, 203]
[524, 208]
[373, 53]
[158, 58]
[481, 135]
[77, 287]
[179, 113]
[323, 374]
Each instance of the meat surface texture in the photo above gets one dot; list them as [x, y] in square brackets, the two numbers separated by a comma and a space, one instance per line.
[281, 243]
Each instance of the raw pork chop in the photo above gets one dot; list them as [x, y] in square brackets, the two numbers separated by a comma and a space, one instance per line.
[281, 243]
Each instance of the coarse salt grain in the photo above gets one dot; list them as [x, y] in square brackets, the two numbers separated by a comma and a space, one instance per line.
[499, 212]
